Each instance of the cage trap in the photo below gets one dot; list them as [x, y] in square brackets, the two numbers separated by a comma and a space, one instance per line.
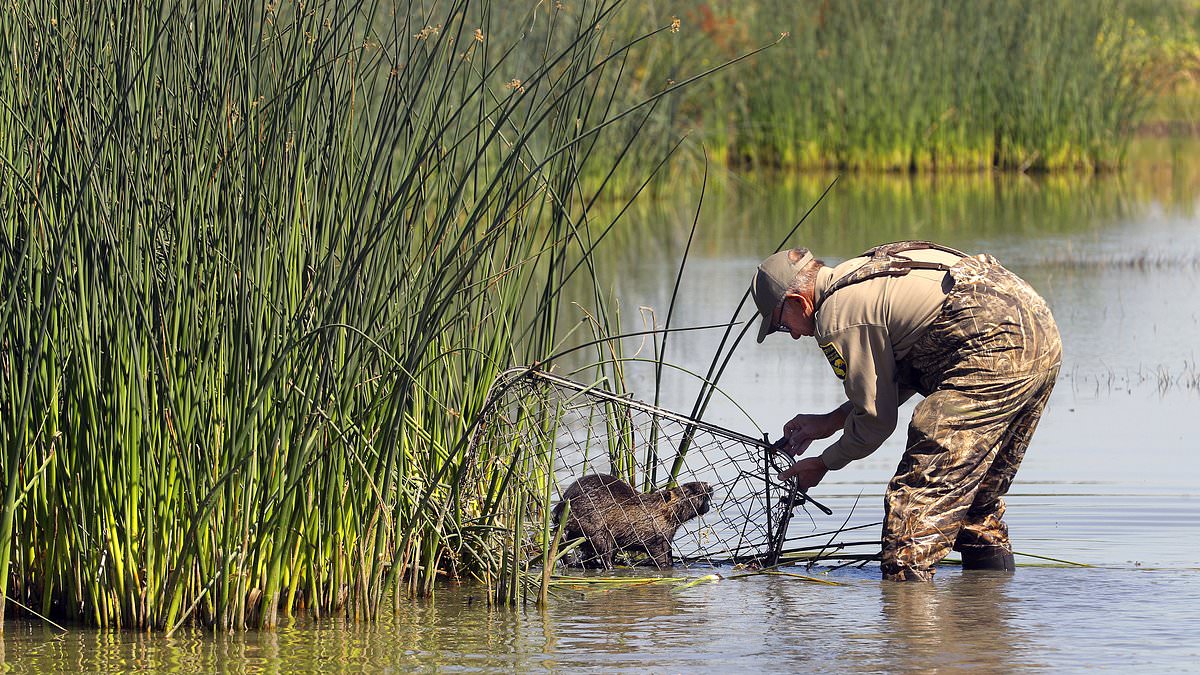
[644, 485]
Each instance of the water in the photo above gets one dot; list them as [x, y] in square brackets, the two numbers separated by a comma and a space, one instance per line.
[1110, 480]
[1040, 619]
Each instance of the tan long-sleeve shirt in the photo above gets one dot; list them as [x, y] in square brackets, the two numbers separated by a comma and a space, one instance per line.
[864, 329]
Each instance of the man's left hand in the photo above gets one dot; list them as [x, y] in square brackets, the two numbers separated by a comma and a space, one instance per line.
[808, 472]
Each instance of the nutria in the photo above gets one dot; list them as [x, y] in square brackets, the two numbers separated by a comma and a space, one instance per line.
[611, 516]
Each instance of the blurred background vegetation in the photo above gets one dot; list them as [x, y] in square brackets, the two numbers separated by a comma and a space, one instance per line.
[915, 85]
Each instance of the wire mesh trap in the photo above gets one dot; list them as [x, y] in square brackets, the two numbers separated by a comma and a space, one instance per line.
[628, 482]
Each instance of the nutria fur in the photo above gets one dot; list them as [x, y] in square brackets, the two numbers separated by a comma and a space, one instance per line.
[611, 516]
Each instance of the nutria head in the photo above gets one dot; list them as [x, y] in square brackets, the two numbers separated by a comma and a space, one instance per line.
[689, 500]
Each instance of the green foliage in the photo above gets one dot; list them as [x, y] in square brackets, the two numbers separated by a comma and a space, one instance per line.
[260, 264]
[920, 85]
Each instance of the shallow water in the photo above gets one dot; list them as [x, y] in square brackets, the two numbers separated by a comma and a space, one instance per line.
[1110, 480]
[1050, 619]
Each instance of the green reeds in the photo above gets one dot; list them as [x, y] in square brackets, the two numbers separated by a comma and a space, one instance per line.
[260, 264]
[921, 85]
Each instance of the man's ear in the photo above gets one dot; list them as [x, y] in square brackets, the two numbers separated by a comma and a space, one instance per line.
[802, 299]
[806, 303]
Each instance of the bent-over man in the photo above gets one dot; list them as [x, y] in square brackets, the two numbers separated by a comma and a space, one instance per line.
[915, 317]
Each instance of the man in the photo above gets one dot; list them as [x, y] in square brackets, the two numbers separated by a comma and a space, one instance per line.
[973, 338]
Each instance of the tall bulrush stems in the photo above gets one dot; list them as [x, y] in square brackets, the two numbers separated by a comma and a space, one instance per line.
[261, 263]
[925, 86]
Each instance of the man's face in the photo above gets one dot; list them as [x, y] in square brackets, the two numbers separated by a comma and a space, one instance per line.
[796, 316]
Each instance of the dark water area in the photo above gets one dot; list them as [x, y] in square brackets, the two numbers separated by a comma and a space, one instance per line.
[1110, 481]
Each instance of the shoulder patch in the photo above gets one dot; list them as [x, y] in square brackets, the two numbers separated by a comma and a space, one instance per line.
[835, 359]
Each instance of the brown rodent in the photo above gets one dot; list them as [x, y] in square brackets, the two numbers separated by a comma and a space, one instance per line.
[611, 516]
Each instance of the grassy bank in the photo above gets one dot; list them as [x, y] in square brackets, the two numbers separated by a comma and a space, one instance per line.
[260, 264]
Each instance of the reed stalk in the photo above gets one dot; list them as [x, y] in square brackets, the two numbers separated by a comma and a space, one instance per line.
[922, 86]
[260, 265]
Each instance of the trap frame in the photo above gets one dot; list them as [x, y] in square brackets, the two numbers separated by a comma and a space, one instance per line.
[554, 431]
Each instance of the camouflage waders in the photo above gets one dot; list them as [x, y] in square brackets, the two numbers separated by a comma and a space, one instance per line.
[986, 366]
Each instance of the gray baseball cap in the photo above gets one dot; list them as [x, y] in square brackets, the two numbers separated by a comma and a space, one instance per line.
[771, 282]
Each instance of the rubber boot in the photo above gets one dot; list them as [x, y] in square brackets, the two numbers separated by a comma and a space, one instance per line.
[987, 558]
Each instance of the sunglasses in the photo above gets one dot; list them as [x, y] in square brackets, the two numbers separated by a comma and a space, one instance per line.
[777, 324]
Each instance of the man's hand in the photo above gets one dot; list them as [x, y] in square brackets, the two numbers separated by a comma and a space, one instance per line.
[802, 430]
[808, 472]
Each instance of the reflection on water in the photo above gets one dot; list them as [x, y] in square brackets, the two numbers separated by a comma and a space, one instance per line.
[1043, 218]
[965, 623]
[1039, 619]
[1110, 480]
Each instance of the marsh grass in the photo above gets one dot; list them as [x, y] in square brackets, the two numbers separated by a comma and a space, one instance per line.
[921, 85]
[261, 263]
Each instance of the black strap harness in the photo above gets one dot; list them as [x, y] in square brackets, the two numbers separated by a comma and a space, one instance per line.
[885, 261]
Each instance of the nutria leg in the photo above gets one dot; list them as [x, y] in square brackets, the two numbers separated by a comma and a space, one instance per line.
[660, 553]
[604, 546]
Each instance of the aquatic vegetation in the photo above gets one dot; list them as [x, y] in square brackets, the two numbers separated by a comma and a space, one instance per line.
[919, 85]
[260, 264]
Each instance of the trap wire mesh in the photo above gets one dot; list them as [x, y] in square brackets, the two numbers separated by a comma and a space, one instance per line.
[682, 491]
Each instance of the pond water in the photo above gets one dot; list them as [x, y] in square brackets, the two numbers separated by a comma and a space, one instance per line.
[1038, 619]
[1110, 480]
